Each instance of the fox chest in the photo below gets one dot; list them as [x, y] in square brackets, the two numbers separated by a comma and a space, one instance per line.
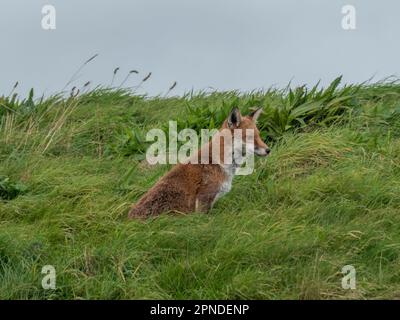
[225, 186]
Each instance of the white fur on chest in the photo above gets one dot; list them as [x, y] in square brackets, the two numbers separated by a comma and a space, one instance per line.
[227, 184]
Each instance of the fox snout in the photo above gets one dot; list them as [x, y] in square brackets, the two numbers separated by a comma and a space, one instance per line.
[260, 147]
[262, 152]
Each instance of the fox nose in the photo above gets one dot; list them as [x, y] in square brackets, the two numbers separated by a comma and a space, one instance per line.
[268, 150]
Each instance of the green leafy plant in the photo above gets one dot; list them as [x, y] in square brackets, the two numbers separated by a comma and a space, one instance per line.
[13, 104]
[9, 189]
[131, 141]
[294, 109]
[301, 107]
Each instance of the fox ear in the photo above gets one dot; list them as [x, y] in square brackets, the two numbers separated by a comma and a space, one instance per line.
[255, 114]
[234, 118]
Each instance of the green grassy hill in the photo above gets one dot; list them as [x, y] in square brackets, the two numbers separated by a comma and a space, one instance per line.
[328, 196]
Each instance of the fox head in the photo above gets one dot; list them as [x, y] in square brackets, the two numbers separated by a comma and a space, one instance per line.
[236, 121]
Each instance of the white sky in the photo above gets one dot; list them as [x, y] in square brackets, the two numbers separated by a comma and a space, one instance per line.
[224, 44]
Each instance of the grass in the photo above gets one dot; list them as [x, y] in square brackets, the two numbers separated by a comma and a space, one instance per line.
[326, 197]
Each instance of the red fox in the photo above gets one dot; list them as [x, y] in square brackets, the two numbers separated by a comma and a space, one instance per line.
[194, 187]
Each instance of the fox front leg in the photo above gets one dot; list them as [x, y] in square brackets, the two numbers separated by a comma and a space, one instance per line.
[205, 201]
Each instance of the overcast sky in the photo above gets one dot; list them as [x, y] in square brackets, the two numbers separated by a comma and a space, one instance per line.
[223, 44]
